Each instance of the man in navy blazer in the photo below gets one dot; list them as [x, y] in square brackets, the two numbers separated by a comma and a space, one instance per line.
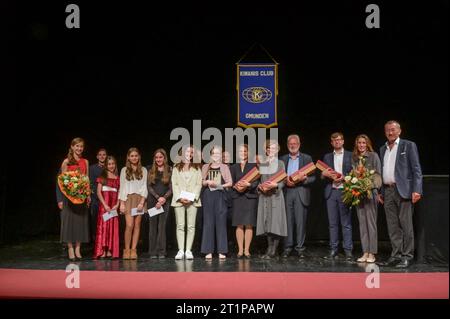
[402, 188]
[297, 197]
[340, 161]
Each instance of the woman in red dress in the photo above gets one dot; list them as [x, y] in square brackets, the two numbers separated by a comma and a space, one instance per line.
[75, 218]
[107, 238]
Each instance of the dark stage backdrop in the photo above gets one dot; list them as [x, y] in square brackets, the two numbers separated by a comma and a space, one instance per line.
[131, 74]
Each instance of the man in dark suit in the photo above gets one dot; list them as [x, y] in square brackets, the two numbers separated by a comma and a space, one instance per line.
[94, 172]
[402, 188]
[340, 161]
[297, 197]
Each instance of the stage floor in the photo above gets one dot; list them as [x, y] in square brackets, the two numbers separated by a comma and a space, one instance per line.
[50, 255]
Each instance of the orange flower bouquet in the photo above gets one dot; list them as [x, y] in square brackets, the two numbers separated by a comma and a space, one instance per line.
[358, 184]
[75, 186]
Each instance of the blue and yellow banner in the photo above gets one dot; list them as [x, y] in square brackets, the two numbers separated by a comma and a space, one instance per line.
[257, 86]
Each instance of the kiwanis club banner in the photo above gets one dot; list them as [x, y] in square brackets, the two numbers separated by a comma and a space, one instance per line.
[257, 95]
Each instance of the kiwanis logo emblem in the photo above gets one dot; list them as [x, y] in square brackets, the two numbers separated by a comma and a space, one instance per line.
[256, 94]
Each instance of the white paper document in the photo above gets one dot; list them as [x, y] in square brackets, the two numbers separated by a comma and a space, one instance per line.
[134, 212]
[217, 188]
[155, 211]
[187, 195]
[108, 215]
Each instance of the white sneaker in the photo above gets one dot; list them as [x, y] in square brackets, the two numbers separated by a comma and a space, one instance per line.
[180, 255]
[189, 254]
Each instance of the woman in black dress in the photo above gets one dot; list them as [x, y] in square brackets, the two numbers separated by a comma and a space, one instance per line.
[245, 203]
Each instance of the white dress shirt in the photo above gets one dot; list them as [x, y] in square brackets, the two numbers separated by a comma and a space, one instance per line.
[389, 163]
[338, 163]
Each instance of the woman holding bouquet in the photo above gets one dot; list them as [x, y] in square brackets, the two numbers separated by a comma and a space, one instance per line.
[271, 218]
[107, 238]
[245, 202]
[132, 195]
[75, 217]
[365, 159]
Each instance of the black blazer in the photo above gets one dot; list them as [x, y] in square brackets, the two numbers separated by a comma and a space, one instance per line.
[302, 188]
[237, 174]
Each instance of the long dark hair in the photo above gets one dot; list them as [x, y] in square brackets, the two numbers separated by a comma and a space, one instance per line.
[154, 169]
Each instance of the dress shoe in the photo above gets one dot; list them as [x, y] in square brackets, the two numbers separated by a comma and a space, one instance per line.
[162, 256]
[404, 263]
[392, 261]
[71, 254]
[348, 255]
[286, 253]
[332, 255]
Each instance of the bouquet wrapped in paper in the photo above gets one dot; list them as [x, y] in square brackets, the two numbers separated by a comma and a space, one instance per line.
[75, 186]
[276, 178]
[307, 170]
[358, 184]
[250, 177]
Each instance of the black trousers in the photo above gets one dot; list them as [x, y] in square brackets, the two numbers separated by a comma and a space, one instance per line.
[157, 232]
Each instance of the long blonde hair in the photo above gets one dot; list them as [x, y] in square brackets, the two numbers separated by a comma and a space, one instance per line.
[368, 143]
[180, 164]
[70, 157]
[154, 169]
[130, 173]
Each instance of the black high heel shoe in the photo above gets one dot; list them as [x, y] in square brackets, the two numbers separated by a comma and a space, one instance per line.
[72, 259]
[78, 258]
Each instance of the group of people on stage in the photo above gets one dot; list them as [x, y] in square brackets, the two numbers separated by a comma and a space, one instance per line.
[278, 210]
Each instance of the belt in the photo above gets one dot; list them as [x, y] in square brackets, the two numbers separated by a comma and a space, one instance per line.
[108, 189]
[389, 185]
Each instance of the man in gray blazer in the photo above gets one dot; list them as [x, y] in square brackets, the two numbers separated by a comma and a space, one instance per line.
[402, 188]
[297, 197]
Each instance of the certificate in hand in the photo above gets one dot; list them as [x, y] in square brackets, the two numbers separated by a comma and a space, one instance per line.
[134, 212]
[108, 215]
[187, 195]
[155, 211]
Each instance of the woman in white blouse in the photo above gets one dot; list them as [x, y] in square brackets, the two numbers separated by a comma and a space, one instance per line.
[187, 177]
[132, 195]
